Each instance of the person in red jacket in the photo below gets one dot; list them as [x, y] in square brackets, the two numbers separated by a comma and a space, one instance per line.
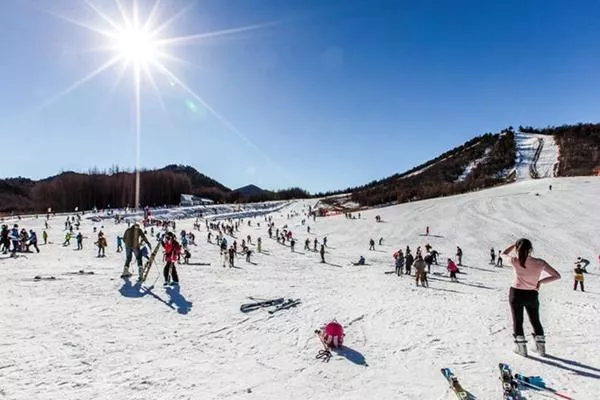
[453, 270]
[172, 251]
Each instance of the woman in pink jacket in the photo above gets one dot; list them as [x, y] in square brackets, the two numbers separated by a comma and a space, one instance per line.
[524, 293]
[453, 270]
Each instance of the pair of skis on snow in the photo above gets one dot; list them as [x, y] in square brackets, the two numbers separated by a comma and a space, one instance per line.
[279, 304]
[511, 385]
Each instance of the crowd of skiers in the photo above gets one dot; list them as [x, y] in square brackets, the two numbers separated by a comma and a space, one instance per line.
[18, 241]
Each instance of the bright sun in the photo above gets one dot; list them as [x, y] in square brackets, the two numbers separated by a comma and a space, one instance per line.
[137, 46]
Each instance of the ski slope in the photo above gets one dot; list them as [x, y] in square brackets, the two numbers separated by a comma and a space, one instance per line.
[96, 337]
[537, 156]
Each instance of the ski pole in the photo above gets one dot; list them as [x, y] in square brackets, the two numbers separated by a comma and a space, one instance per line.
[526, 381]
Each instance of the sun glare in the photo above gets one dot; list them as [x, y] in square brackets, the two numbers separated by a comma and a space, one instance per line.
[137, 46]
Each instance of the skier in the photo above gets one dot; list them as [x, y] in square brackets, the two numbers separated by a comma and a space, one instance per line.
[45, 237]
[172, 250]
[399, 263]
[259, 245]
[578, 276]
[248, 254]
[325, 241]
[133, 237]
[186, 256]
[428, 261]
[427, 231]
[524, 293]
[492, 256]
[585, 263]
[101, 243]
[67, 241]
[420, 271]
[292, 244]
[231, 257]
[361, 261]
[79, 239]
[33, 241]
[307, 244]
[409, 259]
[380, 241]
[453, 269]
[120, 243]
[459, 254]
[371, 244]
[499, 261]
[332, 335]
[315, 243]
[322, 253]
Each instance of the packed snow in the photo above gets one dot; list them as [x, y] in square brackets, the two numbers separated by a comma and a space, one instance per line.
[537, 156]
[96, 336]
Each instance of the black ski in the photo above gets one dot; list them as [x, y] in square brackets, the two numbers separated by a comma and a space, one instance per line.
[255, 306]
[284, 306]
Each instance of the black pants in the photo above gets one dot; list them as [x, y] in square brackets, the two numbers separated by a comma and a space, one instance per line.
[575, 285]
[520, 299]
[170, 267]
[399, 270]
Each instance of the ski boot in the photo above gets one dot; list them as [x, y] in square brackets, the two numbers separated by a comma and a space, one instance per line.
[126, 273]
[540, 344]
[520, 346]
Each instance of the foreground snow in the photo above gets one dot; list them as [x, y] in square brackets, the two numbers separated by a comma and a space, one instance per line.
[94, 337]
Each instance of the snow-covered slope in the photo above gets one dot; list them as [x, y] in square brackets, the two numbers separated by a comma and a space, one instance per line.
[537, 156]
[96, 337]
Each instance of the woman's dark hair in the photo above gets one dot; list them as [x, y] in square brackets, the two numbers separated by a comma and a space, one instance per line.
[524, 247]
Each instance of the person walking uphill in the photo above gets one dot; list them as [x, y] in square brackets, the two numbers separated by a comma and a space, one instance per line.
[524, 293]
[133, 238]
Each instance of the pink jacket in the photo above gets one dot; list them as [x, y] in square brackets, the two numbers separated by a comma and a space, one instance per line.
[527, 278]
[452, 267]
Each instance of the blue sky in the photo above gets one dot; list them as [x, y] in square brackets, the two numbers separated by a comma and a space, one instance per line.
[333, 94]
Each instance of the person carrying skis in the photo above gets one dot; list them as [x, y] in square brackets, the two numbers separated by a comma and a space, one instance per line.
[523, 293]
[133, 238]
[453, 269]
[172, 250]
[583, 263]
[399, 263]
[578, 277]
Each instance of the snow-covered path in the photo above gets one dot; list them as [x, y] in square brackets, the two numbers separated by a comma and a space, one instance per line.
[537, 156]
[96, 337]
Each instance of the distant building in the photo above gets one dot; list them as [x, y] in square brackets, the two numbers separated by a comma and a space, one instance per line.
[186, 200]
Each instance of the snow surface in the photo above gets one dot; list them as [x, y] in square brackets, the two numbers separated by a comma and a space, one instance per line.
[546, 161]
[96, 337]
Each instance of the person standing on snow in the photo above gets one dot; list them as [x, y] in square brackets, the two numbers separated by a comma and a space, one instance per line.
[459, 254]
[453, 269]
[492, 256]
[578, 277]
[33, 241]
[523, 293]
[119, 244]
[420, 271]
[322, 252]
[399, 263]
[409, 259]
[172, 250]
[133, 238]
[371, 244]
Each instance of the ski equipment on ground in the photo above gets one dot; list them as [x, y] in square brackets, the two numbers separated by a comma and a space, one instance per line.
[537, 383]
[255, 306]
[456, 386]
[510, 387]
[285, 305]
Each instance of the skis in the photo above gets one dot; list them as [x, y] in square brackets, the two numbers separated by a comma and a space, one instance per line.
[289, 303]
[510, 386]
[149, 263]
[255, 306]
[537, 383]
[455, 385]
